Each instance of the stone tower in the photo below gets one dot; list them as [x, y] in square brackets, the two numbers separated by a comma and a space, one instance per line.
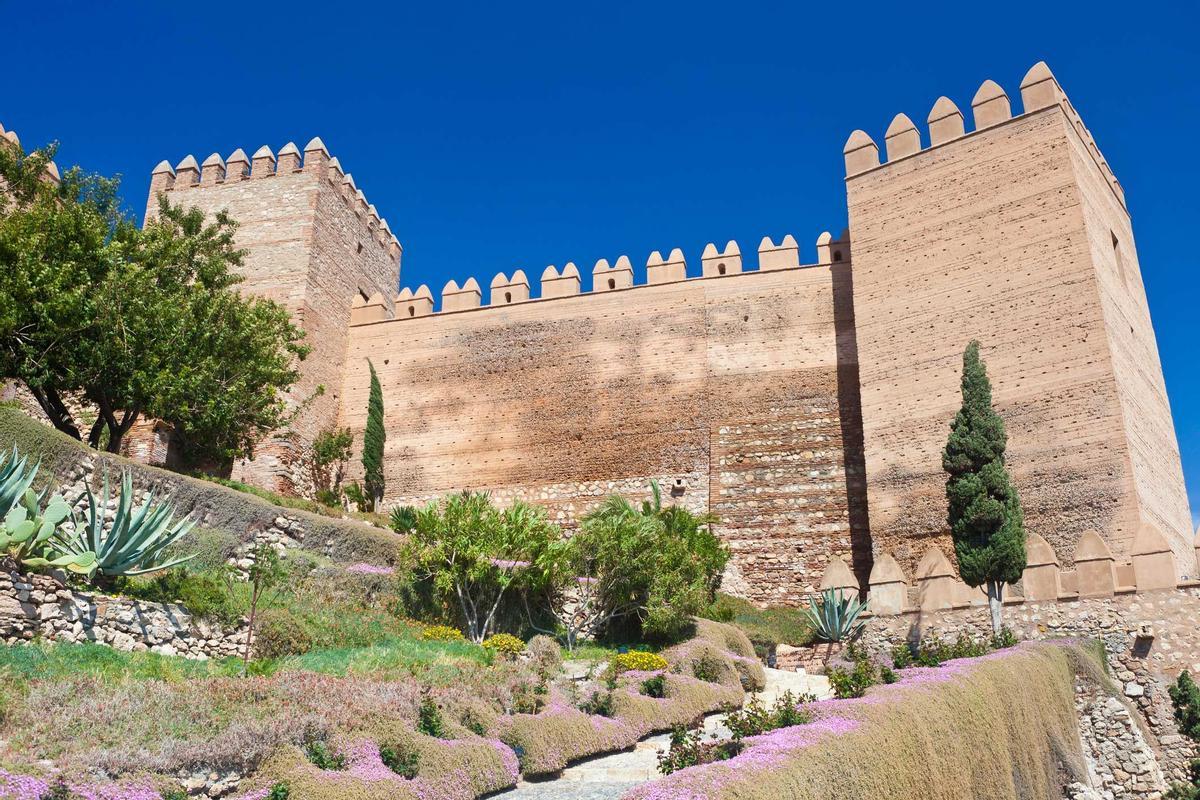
[313, 244]
[1016, 234]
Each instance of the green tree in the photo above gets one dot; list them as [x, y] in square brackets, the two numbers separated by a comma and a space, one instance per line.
[373, 439]
[472, 553]
[266, 574]
[654, 566]
[137, 322]
[986, 521]
[330, 452]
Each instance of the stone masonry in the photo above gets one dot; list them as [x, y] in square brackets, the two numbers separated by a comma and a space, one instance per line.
[805, 406]
[39, 606]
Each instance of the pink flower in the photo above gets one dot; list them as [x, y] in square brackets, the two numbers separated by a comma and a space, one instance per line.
[370, 569]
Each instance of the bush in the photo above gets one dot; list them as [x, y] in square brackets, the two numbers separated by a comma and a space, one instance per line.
[708, 669]
[401, 760]
[429, 719]
[504, 644]
[442, 633]
[639, 660]
[861, 674]
[279, 791]
[654, 686]
[599, 702]
[279, 634]
[322, 756]
[1185, 698]
[688, 749]
[756, 719]
[204, 594]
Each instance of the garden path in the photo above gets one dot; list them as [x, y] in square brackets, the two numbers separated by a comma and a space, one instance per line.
[607, 777]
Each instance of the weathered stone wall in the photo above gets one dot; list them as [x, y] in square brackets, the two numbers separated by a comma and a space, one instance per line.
[38, 606]
[312, 244]
[1000, 235]
[736, 392]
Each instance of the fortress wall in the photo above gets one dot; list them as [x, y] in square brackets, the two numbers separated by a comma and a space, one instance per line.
[311, 243]
[1150, 433]
[984, 237]
[727, 385]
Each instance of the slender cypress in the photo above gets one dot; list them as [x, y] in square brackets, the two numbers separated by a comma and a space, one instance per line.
[373, 439]
[986, 521]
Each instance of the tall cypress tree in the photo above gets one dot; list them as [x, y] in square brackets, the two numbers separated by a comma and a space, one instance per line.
[986, 521]
[373, 438]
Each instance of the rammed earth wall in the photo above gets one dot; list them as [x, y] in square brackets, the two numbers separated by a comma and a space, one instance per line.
[38, 606]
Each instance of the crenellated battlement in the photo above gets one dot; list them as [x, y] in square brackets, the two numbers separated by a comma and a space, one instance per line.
[606, 277]
[1096, 573]
[990, 107]
[188, 175]
[52, 173]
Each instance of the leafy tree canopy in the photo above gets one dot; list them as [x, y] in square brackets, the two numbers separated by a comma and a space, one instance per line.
[135, 321]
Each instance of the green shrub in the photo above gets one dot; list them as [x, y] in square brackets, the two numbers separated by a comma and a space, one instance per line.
[401, 760]
[473, 722]
[639, 660]
[322, 756]
[707, 668]
[279, 634]
[504, 644]
[279, 791]
[755, 718]
[654, 686]
[854, 682]
[598, 703]
[1185, 698]
[204, 594]
[429, 719]
[688, 749]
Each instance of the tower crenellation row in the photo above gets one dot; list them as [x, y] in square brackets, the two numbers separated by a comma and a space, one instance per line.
[606, 277]
[265, 163]
[990, 107]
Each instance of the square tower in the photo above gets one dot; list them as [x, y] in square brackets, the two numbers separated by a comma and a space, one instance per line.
[312, 243]
[1016, 234]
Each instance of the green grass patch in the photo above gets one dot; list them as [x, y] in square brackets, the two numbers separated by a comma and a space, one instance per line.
[390, 658]
[764, 626]
[46, 662]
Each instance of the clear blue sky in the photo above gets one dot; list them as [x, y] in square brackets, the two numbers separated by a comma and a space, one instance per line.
[520, 135]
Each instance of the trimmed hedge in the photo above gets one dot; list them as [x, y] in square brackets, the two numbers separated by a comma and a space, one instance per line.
[998, 726]
[215, 506]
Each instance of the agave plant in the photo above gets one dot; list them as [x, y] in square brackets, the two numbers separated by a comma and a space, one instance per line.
[135, 540]
[834, 616]
[15, 480]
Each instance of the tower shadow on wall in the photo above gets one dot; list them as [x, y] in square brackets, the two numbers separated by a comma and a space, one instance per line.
[850, 415]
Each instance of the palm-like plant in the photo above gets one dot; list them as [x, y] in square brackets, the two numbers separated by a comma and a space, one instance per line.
[135, 540]
[835, 616]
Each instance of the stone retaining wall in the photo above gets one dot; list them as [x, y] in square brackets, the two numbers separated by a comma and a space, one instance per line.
[38, 606]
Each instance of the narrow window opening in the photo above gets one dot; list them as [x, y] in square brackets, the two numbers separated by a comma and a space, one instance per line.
[612, 284]
[720, 269]
[359, 250]
[508, 297]
[1116, 243]
[412, 311]
[837, 255]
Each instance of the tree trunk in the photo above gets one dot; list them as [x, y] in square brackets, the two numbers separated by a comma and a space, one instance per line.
[995, 593]
[55, 409]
